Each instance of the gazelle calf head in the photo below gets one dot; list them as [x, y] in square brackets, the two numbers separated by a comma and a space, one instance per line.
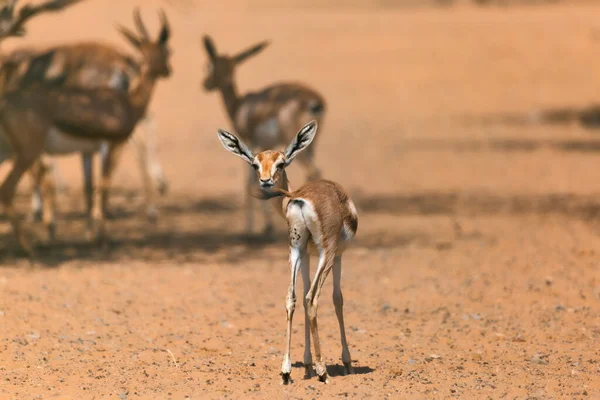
[221, 67]
[269, 164]
[155, 54]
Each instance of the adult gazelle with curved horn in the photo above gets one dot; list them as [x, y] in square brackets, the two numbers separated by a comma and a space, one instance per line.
[264, 119]
[58, 119]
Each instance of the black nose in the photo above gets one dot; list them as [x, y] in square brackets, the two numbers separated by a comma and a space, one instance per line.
[266, 182]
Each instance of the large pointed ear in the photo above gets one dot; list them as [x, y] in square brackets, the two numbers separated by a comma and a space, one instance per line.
[250, 52]
[235, 145]
[130, 36]
[301, 141]
[165, 29]
[209, 45]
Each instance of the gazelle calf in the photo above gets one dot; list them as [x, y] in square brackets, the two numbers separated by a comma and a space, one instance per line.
[266, 118]
[319, 212]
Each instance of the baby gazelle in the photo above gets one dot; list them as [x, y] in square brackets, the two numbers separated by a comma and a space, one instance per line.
[320, 211]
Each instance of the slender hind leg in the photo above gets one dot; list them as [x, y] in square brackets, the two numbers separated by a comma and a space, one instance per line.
[325, 264]
[87, 163]
[338, 301]
[308, 363]
[45, 193]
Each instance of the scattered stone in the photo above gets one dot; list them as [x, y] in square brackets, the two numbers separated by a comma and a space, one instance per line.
[559, 308]
[549, 280]
[539, 359]
[477, 356]
[519, 338]
[387, 307]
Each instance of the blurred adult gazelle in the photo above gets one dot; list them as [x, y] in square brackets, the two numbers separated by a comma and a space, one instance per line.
[321, 213]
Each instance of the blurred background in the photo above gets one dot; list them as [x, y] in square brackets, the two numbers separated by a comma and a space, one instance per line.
[464, 130]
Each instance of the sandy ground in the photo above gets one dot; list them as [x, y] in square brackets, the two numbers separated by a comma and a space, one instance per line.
[475, 271]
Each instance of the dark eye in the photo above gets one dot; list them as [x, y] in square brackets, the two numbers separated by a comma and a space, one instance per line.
[255, 166]
[279, 166]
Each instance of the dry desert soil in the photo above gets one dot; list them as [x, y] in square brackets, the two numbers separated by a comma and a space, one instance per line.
[475, 271]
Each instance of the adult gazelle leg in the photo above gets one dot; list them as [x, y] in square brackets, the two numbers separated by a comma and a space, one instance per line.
[87, 163]
[326, 259]
[338, 301]
[45, 191]
[155, 169]
[22, 162]
[141, 142]
[109, 164]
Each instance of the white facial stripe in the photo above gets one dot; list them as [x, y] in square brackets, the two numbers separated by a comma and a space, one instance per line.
[256, 162]
[275, 164]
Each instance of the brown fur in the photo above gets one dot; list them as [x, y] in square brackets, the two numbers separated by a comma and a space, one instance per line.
[27, 115]
[321, 213]
[268, 118]
[82, 65]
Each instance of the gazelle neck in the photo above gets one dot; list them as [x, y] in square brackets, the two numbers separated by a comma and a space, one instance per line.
[230, 98]
[280, 203]
[141, 93]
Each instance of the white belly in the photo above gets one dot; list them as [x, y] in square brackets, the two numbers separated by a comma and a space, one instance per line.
[59, 143]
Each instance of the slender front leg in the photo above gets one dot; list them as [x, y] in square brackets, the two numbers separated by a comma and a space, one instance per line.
[308, 363]
[36, 202]
[87, 164]
[141, 151]
[109, 164]
[325, 264]
[338, 301]
[156, 171]
[45, 194]
[7, 192]
[250, 182]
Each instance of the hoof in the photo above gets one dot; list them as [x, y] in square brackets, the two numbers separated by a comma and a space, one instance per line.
[324, 378]
[309, 371]
[348, 370]
[286, 379]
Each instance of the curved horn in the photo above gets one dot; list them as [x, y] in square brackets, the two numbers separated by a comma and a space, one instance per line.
[130, 36]
[165, 31]
[137, 18]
